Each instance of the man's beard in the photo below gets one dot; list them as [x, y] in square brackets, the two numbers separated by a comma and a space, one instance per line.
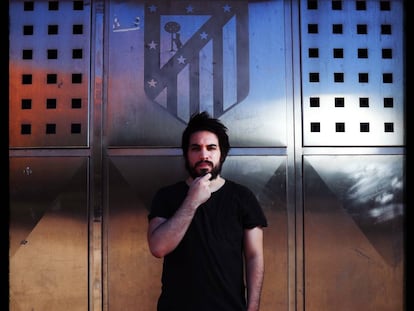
[215, 171]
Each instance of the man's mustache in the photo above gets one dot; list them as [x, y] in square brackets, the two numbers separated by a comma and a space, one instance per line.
[204, 161]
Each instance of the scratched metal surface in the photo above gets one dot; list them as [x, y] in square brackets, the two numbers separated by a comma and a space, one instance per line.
[312, 93]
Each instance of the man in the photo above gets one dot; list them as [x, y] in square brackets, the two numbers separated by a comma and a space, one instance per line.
[208, 230]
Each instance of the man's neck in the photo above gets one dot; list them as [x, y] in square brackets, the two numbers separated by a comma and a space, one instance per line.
[217, 183]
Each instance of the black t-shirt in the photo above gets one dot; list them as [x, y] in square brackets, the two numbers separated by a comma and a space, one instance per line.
[205, 271]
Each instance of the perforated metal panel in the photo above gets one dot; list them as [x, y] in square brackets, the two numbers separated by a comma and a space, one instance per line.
[352, 56]
[49, 72]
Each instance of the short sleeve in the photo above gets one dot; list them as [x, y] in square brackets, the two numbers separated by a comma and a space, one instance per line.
[253, 215]
[167, 200]
[157, 204]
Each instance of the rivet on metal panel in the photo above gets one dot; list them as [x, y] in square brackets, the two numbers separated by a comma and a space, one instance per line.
[27, 171]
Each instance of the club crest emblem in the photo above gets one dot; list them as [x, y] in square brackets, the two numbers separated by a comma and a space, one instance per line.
[196, 55]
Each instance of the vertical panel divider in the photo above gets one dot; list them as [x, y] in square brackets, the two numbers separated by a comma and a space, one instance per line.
[295, 160]
[96, 175]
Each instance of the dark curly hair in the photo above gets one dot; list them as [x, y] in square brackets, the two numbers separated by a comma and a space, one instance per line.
[203, 122]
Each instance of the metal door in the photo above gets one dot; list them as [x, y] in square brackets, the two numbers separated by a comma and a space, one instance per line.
[312, 93]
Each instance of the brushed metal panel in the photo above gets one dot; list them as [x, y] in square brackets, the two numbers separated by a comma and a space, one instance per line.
[134, 275]
[354, 213]
[353, 73]
[48, 234]
[157, 79]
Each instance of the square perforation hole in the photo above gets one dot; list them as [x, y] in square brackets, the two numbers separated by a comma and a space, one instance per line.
[51, 103]
[364, 102]
[76, 78]
[77, 29]
[53, 5]
[313, 28]
[27, 30]
[315, 127]
[387, 78]
[75, 128]
[388, 102]
[51, 78]
[339, 102]
[363, 77]
[314, 77]
[388, 127]
[25, 129]
[50, 128]
[313, 53]
[337, 28]
[336, 5]
[52, 29]
[76, 103]
[363, 53]
[314, 102]
[364, 127]
[338, 53]
[360, 5]
[312, 4]
[386, 29]
[52, 54]
[338, 77]
[28, 5]
[386, 53]
[362, 29]
[26, 103]
[77, 53]
[77, 5]
[27, 79]
[27, 54]
[385, 6]
[340, 127]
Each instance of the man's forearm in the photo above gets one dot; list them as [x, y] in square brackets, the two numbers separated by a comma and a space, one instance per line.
[165, 237]
[254, 277]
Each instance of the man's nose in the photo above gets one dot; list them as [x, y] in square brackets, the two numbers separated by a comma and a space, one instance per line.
[204, 154]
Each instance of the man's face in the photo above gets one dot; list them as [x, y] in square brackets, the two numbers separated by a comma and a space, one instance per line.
[203, 155]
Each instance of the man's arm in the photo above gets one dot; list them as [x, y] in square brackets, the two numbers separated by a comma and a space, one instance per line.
[253, 252]
[164, 235]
